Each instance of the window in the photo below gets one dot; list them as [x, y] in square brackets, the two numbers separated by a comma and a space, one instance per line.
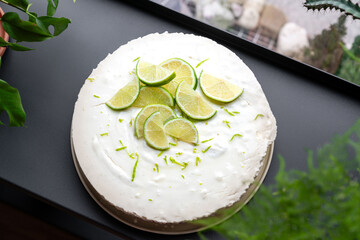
[326, 40]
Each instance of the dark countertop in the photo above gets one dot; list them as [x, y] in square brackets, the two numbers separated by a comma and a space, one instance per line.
[37, 158]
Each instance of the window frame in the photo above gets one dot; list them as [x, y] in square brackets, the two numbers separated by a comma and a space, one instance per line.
[316, 75]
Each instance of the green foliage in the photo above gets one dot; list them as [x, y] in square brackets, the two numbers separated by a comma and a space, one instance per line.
[52, 6]
[35, 29]
[350, 64]
[322, 203]
[23, 30]
[345, 6]
[349, 53]
[11, 103]
[13, 46]
[59, 24]
[23, 5]
[356, 46]
[324, 51]
[350, 70]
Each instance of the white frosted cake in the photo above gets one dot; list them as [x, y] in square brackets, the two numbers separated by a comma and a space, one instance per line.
[219, 169]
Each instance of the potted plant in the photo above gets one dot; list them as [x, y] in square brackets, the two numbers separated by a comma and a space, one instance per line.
[35, 29]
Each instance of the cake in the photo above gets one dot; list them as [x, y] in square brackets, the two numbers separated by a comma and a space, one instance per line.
[135, 184]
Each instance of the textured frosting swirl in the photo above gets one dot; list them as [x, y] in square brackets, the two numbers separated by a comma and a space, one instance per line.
[171, 194]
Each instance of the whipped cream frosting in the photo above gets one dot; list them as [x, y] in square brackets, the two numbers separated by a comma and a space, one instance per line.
[163, 191]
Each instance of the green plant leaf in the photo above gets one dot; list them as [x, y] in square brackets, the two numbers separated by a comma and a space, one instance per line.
[321, 203]
[32, 17]
[59, 24]
[22, 30]
[21, 4]
[52, 6]
[13, 46]
[10, 102]
[345, 6]
[349, 53]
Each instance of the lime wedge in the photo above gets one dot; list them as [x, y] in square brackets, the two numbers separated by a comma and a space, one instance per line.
[182, 129]
[165, 112]
[126, 96]
[219, 89]
[154, 132]
[153, 95]
[184, 72]
[192, 104]
[153, 75]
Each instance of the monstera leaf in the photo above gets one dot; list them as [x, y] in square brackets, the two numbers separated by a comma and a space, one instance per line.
[34, 29]
[10, 102]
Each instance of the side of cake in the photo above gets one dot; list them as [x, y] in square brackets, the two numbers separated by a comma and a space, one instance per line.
[187, 181]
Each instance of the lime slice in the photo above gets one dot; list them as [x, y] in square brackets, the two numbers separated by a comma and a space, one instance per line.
[154, 132]
[184, 72]
[165, 111]
[126, 96]
[219, 89]
[192, 104]
[153, 95]
[182, 129]
[153, 75]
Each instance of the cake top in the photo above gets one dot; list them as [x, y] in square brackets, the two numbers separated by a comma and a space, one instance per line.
[186, 181]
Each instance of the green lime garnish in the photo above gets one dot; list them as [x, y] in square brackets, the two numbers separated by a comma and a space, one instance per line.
[154, 132]
[219, 89]
[153, 75]
[184, 72]
[182, 129]
[192, 104]
[153, 95]
[165, 112]
[126, 96]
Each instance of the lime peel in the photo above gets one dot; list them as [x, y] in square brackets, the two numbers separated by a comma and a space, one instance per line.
[153, 95]
[235, 135]
[259, 115]
[120, 148]
[182, 129]
[134, 168]
[165, 111]
[153, 75]
[192, 104]
[219, 89]
[154, 132]
[184, 72]
[198, 65]
[125, 96]
[206, 149]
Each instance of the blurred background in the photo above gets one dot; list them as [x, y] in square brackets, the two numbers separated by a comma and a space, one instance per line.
[325, 39]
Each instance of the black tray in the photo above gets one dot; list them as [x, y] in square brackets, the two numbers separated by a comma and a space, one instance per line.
[36, 160]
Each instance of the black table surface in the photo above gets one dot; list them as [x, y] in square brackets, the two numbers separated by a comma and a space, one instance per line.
[37, 158]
